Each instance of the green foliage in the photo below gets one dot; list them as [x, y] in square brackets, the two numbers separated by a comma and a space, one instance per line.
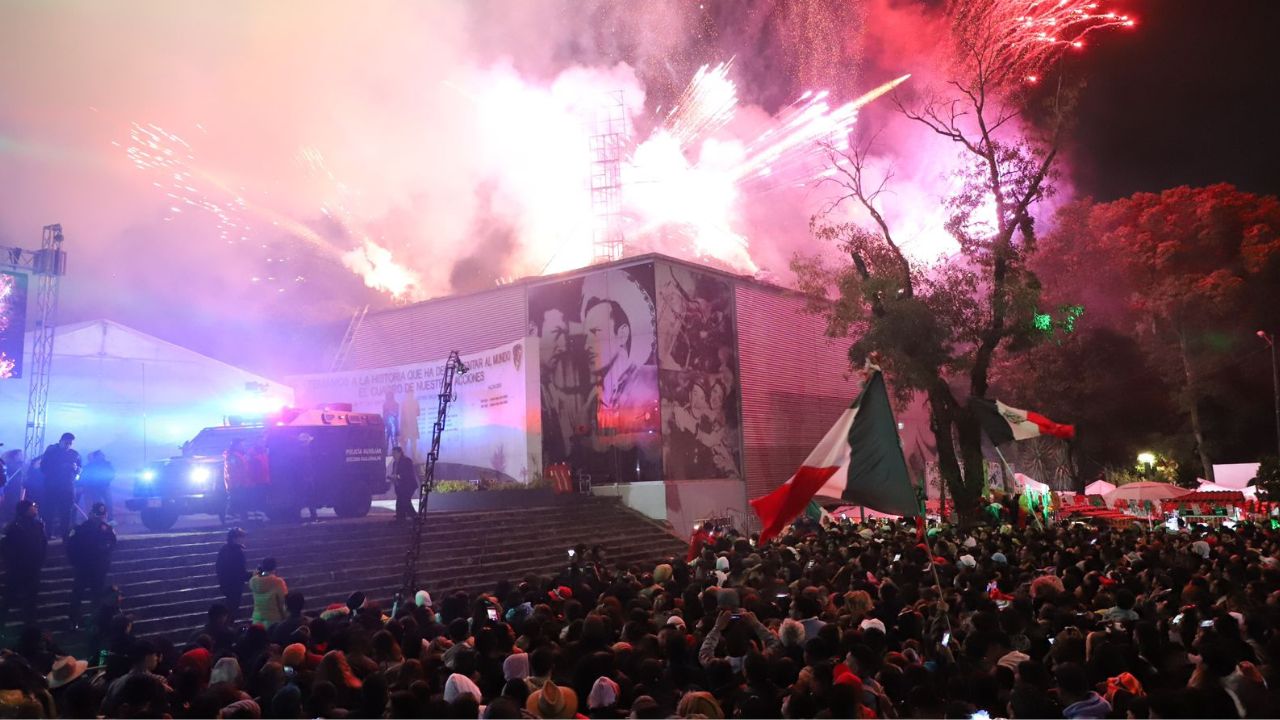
[1268, 479]
[453, 486]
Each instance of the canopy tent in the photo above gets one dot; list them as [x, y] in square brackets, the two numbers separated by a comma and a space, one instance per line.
[1249, 492]
[1142, 492]
[1026, 483]
[132, 395]
[1098, 487]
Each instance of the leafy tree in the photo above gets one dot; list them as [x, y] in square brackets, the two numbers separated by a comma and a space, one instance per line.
[1190, 274]
[939, 329]
[1268, 479]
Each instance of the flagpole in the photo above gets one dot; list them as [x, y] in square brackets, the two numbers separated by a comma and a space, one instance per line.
[1005, 470]
[942, 598]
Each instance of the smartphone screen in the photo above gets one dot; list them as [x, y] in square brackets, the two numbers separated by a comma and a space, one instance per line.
[493, 613]
[946, 638]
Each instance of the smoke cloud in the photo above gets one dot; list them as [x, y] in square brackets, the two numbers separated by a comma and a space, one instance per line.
[334, 154]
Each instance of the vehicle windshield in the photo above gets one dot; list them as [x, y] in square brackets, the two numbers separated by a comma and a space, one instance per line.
[216, 440]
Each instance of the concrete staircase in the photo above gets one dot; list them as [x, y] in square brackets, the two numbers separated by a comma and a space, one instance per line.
[168, 579]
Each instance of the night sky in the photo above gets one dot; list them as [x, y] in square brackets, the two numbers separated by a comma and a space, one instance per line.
[1191, 97]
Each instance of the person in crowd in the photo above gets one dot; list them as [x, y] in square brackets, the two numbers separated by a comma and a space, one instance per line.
[269, 591]
[60, 466]
[232, 571]
[1072, 621]
[144, 658]
[24, 546]
[95, 483]
[89, 549]
[405, 480]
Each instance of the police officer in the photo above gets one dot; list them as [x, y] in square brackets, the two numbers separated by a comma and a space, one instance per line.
[24, 546]
[60, 466]
[89, 549]
[231, 570]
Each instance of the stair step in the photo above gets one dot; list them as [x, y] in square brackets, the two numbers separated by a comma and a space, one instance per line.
[168, 580]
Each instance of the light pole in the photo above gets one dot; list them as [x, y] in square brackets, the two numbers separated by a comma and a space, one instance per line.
[1270, 340]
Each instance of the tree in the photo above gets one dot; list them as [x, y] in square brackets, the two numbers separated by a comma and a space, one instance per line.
[940, 328]
[1190, 274]
[1100, 380]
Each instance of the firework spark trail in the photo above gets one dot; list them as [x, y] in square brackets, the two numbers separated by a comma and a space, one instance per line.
[171, 160]
[707, 104]
[1018, 39]
[178, 174]
[374, 263]
[702, 196]
[792, 153]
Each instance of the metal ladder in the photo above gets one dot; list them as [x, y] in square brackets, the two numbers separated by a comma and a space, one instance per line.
[348, 339]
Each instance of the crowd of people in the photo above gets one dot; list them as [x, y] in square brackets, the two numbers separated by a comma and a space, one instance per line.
[841, 621]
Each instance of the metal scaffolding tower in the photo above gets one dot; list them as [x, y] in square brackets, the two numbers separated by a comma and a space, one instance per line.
[48, 265]
[607, 142]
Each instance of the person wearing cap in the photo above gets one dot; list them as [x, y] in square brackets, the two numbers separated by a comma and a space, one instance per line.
[60, 466]
[144, 656]
[89, 548]
[232, 571]
[23, 546]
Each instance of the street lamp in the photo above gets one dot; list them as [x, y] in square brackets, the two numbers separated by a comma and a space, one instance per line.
[1147, 459]
[1270, 340]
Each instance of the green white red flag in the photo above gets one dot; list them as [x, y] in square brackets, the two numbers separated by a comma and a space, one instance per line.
[859, 460]
[1003, 423]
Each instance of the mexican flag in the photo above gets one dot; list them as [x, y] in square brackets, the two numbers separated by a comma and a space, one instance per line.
[859, 460]
[1004, 424]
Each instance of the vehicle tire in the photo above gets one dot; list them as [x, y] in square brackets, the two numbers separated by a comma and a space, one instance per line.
[285, 514]
[160, 519]
[353, 504]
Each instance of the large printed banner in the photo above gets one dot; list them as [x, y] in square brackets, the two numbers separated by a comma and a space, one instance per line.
[596, 337]
[698, 375]
[493, 426]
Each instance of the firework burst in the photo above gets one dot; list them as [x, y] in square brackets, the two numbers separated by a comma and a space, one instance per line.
[1015, 41]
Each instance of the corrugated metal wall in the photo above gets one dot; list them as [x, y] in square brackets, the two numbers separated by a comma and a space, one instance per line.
[429, 330]
[794, 383]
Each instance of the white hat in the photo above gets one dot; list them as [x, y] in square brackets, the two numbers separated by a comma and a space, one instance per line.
[676, 620]
[969, 542]
[968, 561]
[422, 598]
[872, 624]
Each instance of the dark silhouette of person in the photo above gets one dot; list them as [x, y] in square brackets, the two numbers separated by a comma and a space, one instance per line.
[406, 482]
[23, 546]
[60, 465]
[95, 482]
[89, 549]
[232, 571]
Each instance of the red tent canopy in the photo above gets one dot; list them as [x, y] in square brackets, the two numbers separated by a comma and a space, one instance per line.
[1231, 497]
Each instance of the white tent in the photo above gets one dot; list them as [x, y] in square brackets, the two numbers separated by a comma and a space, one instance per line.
[133, 396]
[1098, 487]
[1235, 476]
[1027, 483]
[1250, 492]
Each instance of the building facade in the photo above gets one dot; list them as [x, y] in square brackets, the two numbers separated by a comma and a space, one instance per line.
[683, 389]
